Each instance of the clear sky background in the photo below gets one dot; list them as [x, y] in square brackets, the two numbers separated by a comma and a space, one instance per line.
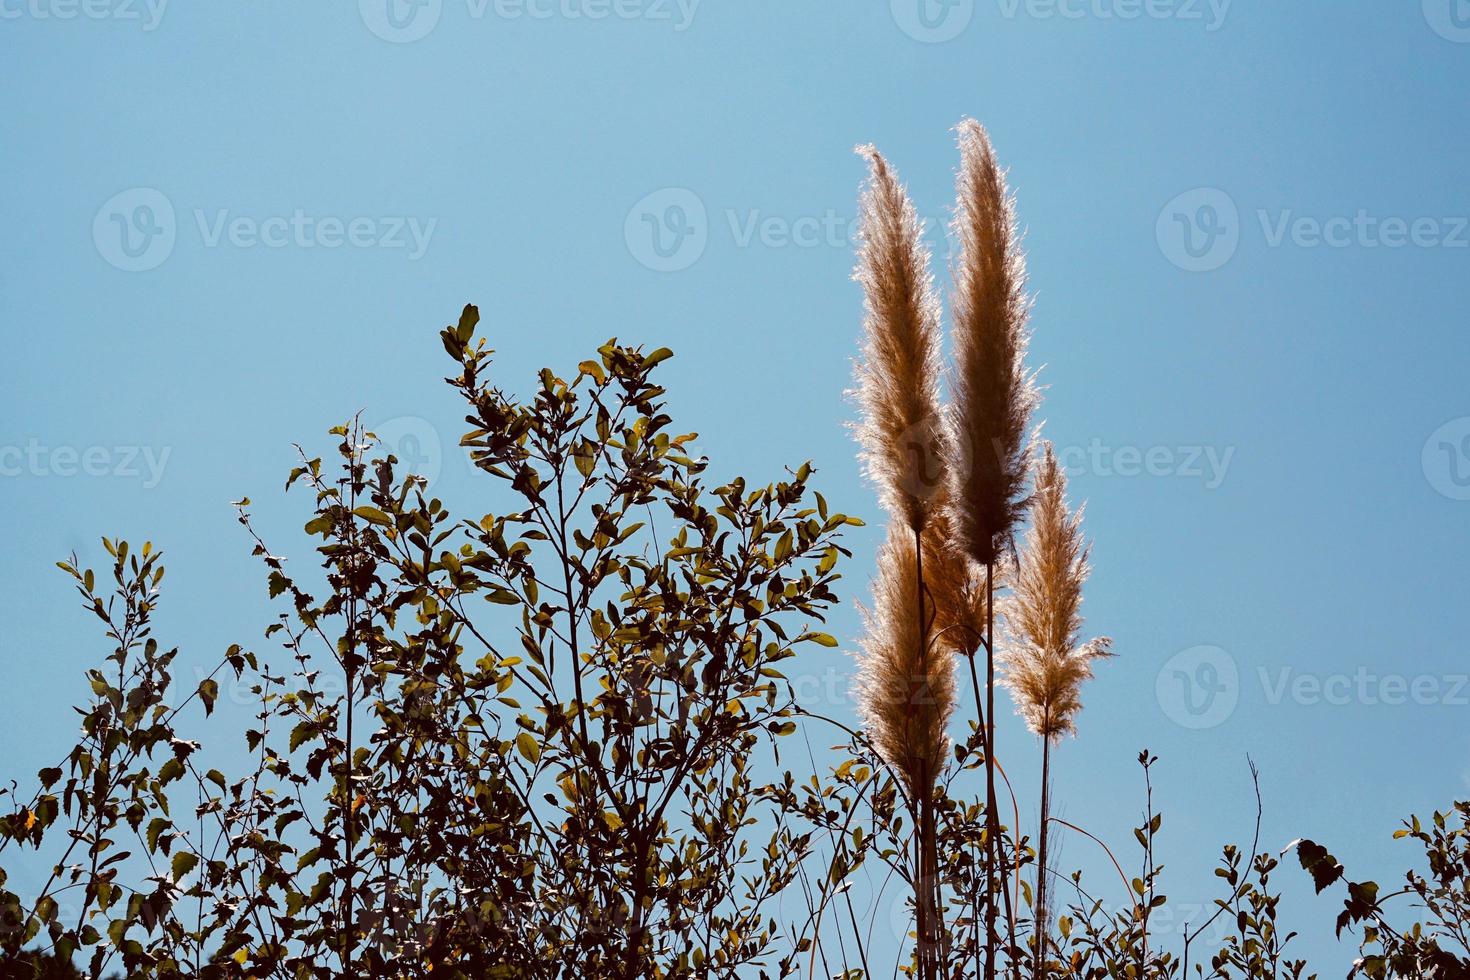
[1247, 236]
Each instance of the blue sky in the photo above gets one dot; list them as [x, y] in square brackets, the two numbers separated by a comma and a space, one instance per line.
[227, 227]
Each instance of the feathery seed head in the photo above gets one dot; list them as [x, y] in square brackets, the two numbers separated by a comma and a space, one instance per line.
[1043, 665]
[955, 585]
[989, 445]
[906, 696]
[898, 376]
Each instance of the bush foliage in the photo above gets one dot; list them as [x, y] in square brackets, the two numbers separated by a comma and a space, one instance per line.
[529, 744]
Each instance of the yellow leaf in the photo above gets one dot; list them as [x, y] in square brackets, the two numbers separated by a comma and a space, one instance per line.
[526, 745]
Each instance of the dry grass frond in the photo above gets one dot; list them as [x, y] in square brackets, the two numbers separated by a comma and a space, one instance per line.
[906, 696]
[898, 377]
[956, 586]
[1043, 664]
[994, 396]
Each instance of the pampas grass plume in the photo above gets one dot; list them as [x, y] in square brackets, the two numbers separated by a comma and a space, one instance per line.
[993, 393]
[898, 376]
[905, 697]
[1044, 665]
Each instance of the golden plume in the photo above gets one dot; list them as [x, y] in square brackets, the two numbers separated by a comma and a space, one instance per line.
[898, 377]
[955, 586]
[906, 694]
[1044, 666]
[994, 395]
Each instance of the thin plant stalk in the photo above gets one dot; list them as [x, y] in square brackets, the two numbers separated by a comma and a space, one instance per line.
[1042, 918]
[992, 825]
[924, 840]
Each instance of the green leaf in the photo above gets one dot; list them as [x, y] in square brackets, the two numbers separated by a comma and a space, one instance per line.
[156, 826]
[468, 319]
[374, 516]
[526, 745]
[301, 733]
[209, 694]
[183, 863]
